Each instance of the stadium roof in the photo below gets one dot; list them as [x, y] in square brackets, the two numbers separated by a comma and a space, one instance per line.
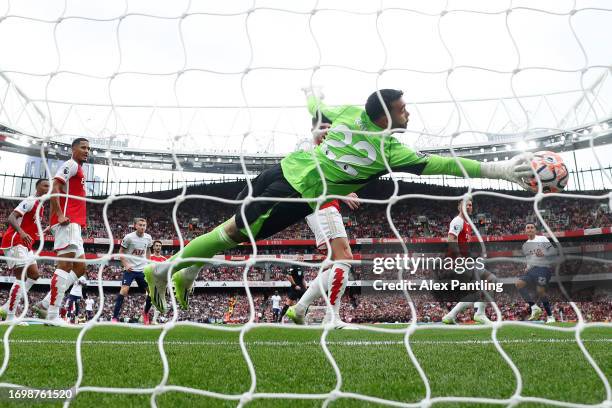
[218, 78]
[223, 163]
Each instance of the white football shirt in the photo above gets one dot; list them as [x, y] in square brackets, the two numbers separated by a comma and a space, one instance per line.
[538, 251]
[77, 287]
[137, 246]
[276, 299]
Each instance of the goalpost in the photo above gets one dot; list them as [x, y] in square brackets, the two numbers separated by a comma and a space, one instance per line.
[192, 78]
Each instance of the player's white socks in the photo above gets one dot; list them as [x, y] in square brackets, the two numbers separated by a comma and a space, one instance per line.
[459, 307]
[60, 282]
[313, 292]
[480, 307]
[46, 300]
[15, 294]
[334, 282]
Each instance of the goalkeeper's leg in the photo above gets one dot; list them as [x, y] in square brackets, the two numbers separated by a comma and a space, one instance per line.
[275, 219]
[204, 246]
[264, 218]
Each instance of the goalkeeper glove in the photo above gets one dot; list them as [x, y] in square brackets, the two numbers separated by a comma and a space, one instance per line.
[313, 90]
[515, 170]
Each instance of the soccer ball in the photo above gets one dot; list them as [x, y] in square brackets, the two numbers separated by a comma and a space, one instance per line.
[551, 170]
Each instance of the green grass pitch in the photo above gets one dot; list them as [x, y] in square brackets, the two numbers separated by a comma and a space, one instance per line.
[457, 363]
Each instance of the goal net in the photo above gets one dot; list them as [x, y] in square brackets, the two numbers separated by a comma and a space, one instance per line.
[165, 90]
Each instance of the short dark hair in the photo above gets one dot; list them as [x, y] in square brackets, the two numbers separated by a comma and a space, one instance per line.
[40, 181]
[375, 109]
[324, 119]
[156, 241]
[78, 140]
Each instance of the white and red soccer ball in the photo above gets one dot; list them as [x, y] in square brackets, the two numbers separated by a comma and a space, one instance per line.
[551, 171]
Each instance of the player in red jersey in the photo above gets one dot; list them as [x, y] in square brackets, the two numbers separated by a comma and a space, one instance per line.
[156, 256]
[17, 243]
[67, 217]
[459, 235]
[327, 226]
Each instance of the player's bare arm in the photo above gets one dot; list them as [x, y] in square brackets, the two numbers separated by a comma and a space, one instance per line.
[58, 186]
[453, 244]
[352, 200]
[13, 221]
[124, 261]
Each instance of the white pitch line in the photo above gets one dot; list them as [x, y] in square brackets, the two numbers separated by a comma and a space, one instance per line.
[311, 342]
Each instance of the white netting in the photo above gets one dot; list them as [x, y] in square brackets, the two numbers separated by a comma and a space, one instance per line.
[200, 77]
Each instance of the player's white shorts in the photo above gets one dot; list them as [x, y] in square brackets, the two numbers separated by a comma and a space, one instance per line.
[67, 238]
[329, 225]
[23, 256]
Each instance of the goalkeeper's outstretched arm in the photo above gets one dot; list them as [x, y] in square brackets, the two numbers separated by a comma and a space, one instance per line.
[404, 159]
[513, 170]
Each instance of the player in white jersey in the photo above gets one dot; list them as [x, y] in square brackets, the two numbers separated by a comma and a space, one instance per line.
[137, 245]
[89, 311]
[327, 226]
[74, 298]
[539, 252]
[276, 308]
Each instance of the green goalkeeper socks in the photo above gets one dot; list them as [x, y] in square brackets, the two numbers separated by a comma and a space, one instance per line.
[204, 246]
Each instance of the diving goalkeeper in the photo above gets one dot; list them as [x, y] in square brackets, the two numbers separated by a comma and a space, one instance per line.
[354, 153]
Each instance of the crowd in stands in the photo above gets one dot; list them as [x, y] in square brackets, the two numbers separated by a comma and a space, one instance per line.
[227, 307]
[279, 272]
[413, 217]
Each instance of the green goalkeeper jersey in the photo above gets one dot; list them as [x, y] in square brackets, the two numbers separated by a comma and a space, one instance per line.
[349, 160]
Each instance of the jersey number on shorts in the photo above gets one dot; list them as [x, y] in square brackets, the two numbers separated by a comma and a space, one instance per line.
[345, 161]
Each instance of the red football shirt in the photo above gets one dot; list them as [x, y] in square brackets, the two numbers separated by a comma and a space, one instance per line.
[159, 258]
[463, 231]
[28, 209]
[333, 203]
[71, 175]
